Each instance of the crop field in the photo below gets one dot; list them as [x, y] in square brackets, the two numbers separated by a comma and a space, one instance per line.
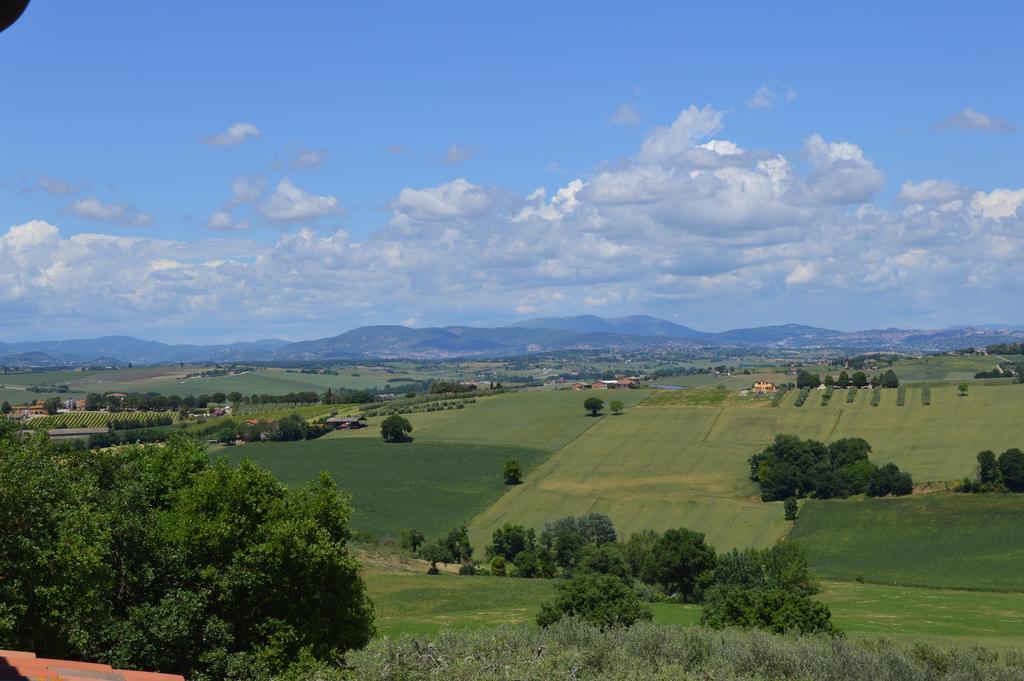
[432, 487]
[547, 419]
[967, 541]
[94, 419]
[651, 467]
[734, 382]
[679, 464]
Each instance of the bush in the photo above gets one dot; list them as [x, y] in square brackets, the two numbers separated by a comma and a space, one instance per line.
[851, 395]
[926, 395]
[602, 601]
[876, 396]
[774, 609]
[573, 649]
[901, 396]
[801, 397]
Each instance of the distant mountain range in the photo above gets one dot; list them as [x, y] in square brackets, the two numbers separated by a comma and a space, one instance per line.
[550, 334]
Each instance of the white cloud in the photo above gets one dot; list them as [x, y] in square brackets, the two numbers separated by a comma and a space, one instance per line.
[455, 199]
[970, 119]
[121, 214]
[694, 225]
[999, 203]
[690, 126]
[288, 203]
[458, 153]
[931, 191]
[235, 134]
[246, 190]
[626, 114]
[841, 172]
[223, 221]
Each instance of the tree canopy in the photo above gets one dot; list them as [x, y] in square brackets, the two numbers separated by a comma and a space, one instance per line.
[152, 557]
[395, 428]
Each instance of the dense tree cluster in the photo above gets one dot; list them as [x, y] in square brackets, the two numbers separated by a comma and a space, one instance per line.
[792, 467]
[1004, 473]
[291, 428]
[154, 558]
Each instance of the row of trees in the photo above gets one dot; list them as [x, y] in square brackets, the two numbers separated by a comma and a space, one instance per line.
[155, 558]
[289, 428]
[859, 379]
[792, 467]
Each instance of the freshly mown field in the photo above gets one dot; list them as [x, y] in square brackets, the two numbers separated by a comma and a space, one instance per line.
[430, 486]
[964, 541]
[417, 603]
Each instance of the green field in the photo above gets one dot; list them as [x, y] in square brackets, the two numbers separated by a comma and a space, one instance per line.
[542, 419]
[432, 487]
[416, 603]
[966, 541]
[661, 466]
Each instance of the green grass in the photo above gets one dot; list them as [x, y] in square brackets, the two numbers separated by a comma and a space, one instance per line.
[430, 486]
[692, 398]
[416, 603]
[963, 541]
[547, 419]
[940, 617]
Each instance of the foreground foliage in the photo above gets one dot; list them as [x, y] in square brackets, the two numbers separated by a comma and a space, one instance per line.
[151, 557]
[575, 650]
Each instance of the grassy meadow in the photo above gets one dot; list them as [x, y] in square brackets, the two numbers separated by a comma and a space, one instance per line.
[411, 602]
[965, 541]
[432, 487]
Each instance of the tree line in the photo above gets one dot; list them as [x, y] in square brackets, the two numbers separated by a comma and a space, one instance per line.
[1004, 473]
[794, 468]
[608, 581]
[859, 379]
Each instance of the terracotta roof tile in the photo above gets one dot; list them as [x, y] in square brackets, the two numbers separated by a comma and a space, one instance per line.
[24, 666]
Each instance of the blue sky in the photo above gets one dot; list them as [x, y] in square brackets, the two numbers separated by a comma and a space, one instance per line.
[217, 171]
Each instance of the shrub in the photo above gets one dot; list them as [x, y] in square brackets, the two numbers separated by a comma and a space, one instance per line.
[777, 397]
[851, 395]
[876, 396]
[926, 395]
[901, 396]
[603, 601]
[801, 397]
[826, 397]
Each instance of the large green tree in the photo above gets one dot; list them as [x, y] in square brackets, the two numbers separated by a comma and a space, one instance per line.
[395, 428]
[681, 562]
[594, 405]
[152, 557]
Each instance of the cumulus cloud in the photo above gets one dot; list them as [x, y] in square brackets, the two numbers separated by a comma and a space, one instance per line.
[970, 119]
[841, 172]
[234, 135]
[691, 222]
[455, 199]
[931, 191]
[458, 153]
[246, 190]
[288, 203]
[120, 214]
[690, 126]
[626, 114]
[223, 221]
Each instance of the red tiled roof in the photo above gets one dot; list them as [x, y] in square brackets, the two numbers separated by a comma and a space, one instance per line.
[20, 666]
